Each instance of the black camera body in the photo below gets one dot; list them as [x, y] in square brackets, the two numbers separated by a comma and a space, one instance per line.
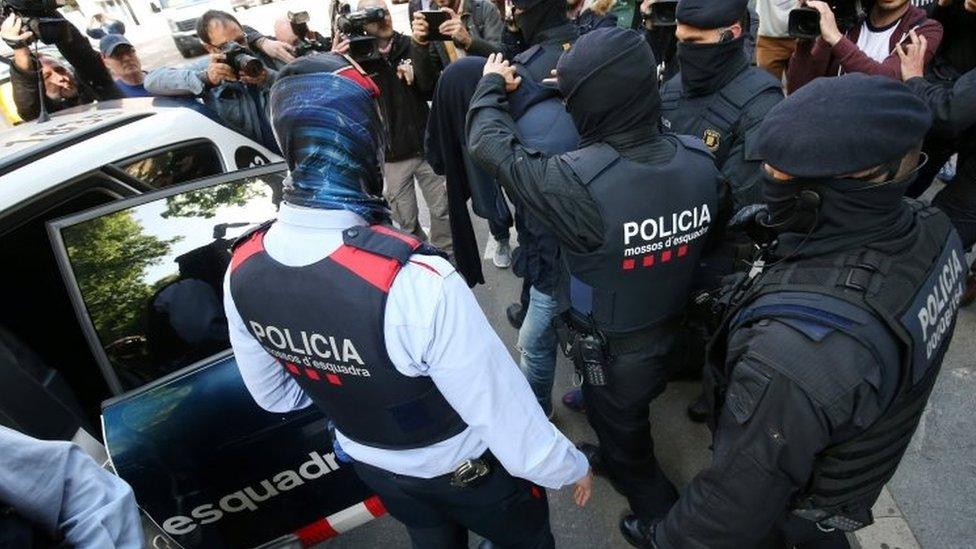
[242, 61]
[662, 13]
[39, 16]
[362, 46]
[299, 26]
[804, 22]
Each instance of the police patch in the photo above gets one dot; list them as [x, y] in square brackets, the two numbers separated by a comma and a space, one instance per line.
[712, 139]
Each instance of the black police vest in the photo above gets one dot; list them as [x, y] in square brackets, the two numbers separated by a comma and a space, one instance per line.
[913, 287]
[713, 118]
[324, 324]
[656, 219]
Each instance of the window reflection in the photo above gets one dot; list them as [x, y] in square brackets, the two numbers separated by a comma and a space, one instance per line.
[151, 275]
[179, 164]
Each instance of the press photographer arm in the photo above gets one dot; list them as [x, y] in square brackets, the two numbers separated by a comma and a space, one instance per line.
[953, 109]
[91, 77]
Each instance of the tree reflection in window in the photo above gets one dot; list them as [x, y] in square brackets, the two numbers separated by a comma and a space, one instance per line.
[151, 276]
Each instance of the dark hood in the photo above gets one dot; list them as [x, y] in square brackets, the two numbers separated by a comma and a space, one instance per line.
[608, 82]
[539, 17]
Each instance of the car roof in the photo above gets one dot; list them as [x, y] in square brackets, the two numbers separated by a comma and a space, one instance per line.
[35, 157]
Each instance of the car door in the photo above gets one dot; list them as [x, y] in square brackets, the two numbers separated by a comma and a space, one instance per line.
[206, 463]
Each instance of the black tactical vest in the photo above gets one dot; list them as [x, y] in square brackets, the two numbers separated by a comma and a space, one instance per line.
[324, 324]
[913, 287]
[713, 118]
[656, 219]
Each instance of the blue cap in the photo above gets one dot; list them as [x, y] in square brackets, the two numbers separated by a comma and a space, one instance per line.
[110, 42]
[840, 125]
[710, 14]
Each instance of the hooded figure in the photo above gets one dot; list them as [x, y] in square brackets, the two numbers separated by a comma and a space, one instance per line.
[590, 83]
[329, 128]
[631, 210]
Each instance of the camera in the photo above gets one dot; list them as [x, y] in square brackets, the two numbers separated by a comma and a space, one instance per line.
[804, 22]
[299, 26]
[242, 61]
[36, 15]
[362, 46]
[662, 14]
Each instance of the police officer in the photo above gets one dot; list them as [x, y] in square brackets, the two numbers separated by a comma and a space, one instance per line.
[332, 307]
[826, 359]
[631, 209]
[718, 96]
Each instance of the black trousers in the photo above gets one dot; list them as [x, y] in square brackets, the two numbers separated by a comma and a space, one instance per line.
[619, 414]
[508, 511]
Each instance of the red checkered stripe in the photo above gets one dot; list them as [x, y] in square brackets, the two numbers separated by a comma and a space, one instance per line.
[311, 373]
[650, 260]
[341, 522]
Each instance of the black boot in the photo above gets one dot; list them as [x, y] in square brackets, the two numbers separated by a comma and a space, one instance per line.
[636, 532]
[698, 409]
[592, 453]
[516, 315]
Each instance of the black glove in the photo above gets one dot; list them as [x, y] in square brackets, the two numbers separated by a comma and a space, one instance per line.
[747, 221]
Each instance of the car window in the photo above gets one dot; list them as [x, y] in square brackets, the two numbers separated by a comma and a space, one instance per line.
[174, 165]
[151, 275]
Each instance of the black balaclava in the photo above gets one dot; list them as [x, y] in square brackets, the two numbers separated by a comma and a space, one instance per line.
[540, 16]
[609, 85]
[706, 68]
[848, 214]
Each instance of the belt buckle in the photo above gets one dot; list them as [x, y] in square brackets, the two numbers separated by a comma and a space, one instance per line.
[469, 473]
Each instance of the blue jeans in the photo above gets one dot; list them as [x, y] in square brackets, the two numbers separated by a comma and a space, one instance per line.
[537, 343]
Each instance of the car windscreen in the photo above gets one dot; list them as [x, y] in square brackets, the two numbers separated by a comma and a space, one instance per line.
[148, 272]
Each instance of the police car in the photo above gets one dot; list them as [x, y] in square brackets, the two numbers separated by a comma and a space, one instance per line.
[116, 221]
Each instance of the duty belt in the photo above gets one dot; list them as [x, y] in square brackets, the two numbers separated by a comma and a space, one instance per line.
[617, 344]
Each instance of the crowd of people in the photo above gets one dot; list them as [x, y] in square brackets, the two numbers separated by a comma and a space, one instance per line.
[699, 188]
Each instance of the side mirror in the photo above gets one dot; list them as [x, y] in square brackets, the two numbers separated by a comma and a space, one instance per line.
[154, 7]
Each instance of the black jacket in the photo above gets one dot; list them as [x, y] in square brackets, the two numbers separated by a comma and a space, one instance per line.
[404, 106]
[94, 80]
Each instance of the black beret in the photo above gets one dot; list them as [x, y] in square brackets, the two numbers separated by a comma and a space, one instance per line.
[841, 125]
[710, 14]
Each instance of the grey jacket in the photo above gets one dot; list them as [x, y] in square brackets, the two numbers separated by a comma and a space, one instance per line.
[484, 24]
[241, 107]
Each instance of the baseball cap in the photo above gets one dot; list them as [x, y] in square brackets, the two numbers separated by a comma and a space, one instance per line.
[110, 42]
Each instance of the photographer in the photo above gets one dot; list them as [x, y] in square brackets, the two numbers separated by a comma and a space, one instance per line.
[868, 47]
[234, 81]
[475, 28]
[405, 112]
[63, 88]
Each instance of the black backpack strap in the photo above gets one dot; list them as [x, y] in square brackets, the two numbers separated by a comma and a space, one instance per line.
[384, 241]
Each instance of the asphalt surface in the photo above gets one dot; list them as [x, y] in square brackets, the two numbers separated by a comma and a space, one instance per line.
[935, 487]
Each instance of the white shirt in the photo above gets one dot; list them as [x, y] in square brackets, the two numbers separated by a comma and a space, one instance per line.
[434, 327]
[876, 44]
[774, 17]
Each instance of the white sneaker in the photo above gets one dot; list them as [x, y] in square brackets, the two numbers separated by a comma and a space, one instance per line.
[503, 255]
